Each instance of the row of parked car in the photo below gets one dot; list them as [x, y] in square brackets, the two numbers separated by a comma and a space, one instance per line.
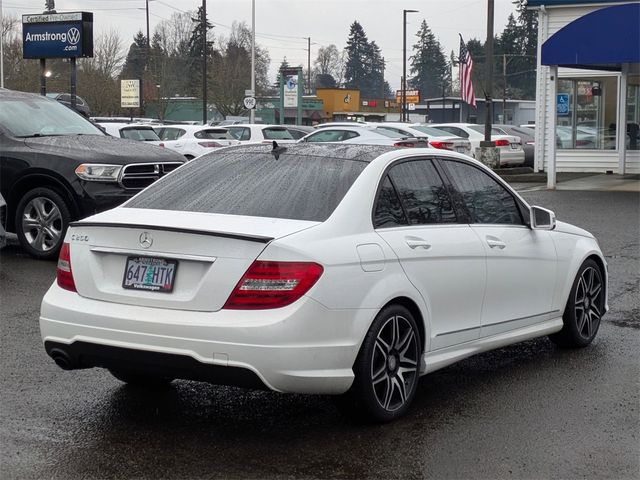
[57, 166]
[515, 143]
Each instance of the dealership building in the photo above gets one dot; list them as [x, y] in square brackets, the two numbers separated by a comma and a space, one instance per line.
[588, 86]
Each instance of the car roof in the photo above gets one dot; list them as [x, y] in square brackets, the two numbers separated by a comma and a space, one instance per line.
[344, 151]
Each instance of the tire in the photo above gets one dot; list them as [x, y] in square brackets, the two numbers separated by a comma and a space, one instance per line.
[136, 379]
[387, 367]
[41, 221]
[584, 308]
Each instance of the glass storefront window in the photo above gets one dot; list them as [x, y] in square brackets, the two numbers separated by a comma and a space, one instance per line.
[588, 120]
[633, 112]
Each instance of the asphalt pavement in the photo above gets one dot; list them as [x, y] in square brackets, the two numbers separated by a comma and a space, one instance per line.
[526, 411]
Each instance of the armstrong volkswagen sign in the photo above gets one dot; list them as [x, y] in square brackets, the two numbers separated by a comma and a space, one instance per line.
[57, 35]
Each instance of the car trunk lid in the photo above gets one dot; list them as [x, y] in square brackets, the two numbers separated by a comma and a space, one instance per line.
[121, 255]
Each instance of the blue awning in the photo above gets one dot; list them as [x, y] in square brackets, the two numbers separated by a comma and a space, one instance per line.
[601, 40]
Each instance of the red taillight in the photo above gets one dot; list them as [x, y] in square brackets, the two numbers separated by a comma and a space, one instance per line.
[273, 285]
[64, 275]
[441, 145]
[404, 144]
[209, 144]
[161, 145]
[502, 143]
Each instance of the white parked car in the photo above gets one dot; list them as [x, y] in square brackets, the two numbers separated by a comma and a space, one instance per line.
[319, 269]
[258, 133]
[437, 138]
[131, 131]
[365, 135]
[511, 152]
[194, 140]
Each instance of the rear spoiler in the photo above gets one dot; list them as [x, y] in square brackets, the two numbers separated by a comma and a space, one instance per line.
[192, 231]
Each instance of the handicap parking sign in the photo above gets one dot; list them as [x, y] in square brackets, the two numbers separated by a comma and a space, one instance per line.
[562, 104]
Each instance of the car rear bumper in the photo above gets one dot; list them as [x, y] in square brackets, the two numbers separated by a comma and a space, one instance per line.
[301, 348]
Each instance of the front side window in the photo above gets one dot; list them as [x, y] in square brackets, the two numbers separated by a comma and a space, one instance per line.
[326, 136]
[240, 133]
[276, 134]
[213, 134]
[484, 199]
[422, 193]
[169, 133]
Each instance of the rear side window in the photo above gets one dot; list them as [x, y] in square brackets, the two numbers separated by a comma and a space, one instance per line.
[327, 136]
[422, 193]
[214, 134]
[483, 197]
[388, 211]
[255, 184]
[276, 134]
[140, 134]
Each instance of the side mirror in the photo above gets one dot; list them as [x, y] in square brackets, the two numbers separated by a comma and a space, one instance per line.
[542, 219]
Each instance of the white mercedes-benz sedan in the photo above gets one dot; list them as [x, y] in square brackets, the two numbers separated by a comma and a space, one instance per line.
[320, 269]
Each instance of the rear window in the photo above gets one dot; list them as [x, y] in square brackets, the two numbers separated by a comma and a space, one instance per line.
[255, 184]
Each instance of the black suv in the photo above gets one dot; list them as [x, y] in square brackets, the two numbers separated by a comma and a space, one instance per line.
[55, 167]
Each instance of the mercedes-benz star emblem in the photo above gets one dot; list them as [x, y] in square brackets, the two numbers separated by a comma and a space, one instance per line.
[73, 35]
[145, 240]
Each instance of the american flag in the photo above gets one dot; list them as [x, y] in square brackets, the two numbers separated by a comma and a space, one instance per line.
[466, 67]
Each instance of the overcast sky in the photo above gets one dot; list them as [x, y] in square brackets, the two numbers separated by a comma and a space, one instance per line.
[283, 25]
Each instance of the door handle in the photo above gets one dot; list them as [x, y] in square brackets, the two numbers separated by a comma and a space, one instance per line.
[417, 242]
[495, 242]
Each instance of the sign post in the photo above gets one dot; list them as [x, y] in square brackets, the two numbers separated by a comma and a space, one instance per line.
[290, 92]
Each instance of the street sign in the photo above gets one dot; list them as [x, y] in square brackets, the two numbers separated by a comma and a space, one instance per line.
[412, 96]
[291, 91]
[411, 106]
[249, 93]
[130, 93]
[250, 103]
[562, 104]
[57, 35]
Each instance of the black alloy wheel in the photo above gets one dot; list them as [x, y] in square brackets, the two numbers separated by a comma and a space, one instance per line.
[584, 309]
[388, 366]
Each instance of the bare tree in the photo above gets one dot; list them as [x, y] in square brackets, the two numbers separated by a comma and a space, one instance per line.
[329, 66]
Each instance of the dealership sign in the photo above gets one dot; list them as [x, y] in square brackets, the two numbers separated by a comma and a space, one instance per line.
[57, 35]
[130, 93]
[291, 91]
[411, 96]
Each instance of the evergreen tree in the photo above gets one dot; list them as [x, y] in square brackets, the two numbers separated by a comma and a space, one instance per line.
[136, 61]
[429, 66]
[358, 53]
[364, 66]
[197, 50]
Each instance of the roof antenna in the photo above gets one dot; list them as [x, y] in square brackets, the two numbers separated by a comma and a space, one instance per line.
[277, 150]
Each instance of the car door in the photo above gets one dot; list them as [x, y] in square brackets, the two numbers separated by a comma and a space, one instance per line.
[521, 262]
[443, 258]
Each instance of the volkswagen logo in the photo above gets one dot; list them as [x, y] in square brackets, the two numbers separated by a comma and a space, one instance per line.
[145, 240]
[73, 35]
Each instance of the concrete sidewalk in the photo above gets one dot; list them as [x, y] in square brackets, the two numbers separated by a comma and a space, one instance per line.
[577, 181]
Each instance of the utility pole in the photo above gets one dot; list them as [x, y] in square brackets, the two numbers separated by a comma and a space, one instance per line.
[252, 112]
[489, 74]
[1, 46]
[382, 80]
[504, 89]
[308, 65]
[403, 116]
[204, 62]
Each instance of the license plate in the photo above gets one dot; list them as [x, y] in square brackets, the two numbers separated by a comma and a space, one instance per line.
[151, 274]
[515, 146]
[461, 149]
